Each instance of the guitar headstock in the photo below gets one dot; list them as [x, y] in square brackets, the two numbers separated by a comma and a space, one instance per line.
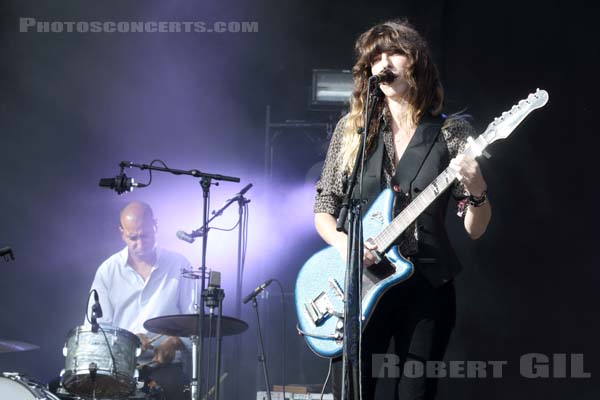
[502, 126]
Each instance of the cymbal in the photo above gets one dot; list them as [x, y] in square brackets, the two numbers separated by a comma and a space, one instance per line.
[186, 325]
[10, 346]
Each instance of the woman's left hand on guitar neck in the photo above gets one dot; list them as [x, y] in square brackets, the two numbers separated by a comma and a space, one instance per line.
[478, 216]
[468, 173]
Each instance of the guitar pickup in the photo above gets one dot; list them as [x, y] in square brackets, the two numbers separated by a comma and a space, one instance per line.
[319, 309]
[335, 285]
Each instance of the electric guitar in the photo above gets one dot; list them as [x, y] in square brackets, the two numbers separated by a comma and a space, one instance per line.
[319, 291]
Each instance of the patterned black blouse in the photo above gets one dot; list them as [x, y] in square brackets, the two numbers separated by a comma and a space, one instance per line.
[331, 185]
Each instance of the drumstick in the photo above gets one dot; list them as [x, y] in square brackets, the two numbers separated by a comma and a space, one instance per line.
[155, 338]
[146, 364]
[150, 341]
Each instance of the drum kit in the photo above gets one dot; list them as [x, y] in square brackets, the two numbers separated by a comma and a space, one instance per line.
[103, 365]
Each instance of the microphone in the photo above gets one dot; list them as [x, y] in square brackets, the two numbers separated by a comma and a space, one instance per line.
[96, 312]
[243, 191]
[385, 76]
[96, 307]
[186, 237]
[257, 291]
[120, 183]
[213, 291]
[190, 237]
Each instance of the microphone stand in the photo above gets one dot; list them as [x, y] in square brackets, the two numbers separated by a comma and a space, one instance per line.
[205, 183]
[353, 280]
[262, 356]
[242, 201]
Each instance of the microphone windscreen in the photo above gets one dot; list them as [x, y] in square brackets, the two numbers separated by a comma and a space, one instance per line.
[107, 183]
[214, 279]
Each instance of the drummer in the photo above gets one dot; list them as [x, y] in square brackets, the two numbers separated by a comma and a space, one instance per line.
[143, 281]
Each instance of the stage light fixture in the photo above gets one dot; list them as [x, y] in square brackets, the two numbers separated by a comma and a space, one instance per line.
[331, 87]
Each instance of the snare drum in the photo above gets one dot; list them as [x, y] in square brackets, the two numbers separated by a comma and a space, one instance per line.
[100, 364]
[17, 387]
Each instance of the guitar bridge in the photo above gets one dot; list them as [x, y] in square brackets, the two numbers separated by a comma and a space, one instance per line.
[319, 309]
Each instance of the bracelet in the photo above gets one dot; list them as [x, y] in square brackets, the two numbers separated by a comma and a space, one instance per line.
[477, 201]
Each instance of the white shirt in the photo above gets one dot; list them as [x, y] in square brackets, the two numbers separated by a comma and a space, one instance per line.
[128, 301]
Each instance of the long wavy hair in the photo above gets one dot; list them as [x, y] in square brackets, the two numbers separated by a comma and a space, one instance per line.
[425, 93]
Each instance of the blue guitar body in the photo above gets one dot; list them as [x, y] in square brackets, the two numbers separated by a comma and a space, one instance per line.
[320, 284]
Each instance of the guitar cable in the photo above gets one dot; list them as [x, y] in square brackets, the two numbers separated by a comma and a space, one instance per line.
[316, 335]
[326, 378]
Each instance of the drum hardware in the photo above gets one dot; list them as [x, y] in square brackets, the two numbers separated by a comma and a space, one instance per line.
[93, 369]
[186, 325]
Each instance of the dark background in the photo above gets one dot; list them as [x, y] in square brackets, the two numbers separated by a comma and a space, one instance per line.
[73, 105]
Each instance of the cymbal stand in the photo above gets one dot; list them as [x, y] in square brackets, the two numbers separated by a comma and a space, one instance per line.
[214, 296]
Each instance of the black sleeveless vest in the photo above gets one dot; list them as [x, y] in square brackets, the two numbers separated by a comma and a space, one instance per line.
[425, 157]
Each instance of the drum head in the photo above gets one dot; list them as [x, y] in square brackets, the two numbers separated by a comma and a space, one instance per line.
[16, 387]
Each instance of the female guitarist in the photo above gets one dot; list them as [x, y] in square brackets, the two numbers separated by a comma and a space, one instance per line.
[410, 142]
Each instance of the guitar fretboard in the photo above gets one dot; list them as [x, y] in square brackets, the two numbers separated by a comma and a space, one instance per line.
[386, 237]
[500, 128]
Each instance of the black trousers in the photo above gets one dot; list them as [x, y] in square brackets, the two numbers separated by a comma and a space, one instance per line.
[411, 324]
[165, 382]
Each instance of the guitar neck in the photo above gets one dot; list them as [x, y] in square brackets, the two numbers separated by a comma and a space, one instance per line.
[387, 237]
[500, 128]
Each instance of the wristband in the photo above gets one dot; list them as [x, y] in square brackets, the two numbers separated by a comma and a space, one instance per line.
[477, 201]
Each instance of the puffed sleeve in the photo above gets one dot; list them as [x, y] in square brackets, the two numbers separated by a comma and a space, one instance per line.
[456, 130]
[330, 187]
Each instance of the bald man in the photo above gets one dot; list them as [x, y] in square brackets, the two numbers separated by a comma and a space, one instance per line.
[143, 281]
